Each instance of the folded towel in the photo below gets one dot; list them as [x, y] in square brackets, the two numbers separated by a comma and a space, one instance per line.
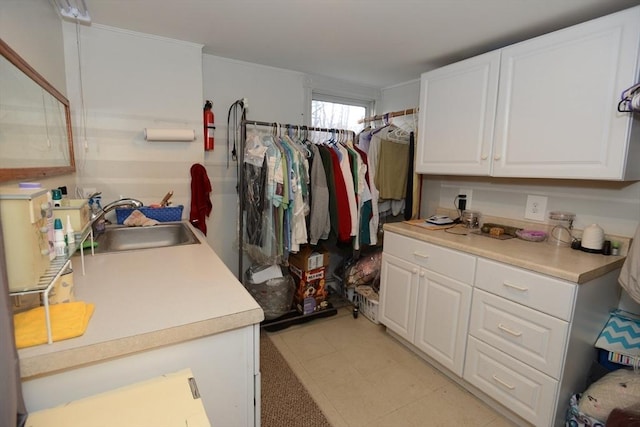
[137, 219]
[68, 320]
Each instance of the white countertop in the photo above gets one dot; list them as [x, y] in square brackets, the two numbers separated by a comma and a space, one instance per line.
[146, 299]
[542, 257]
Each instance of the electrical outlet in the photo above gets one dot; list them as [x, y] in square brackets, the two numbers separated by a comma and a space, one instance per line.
[536, 207]
[467, 192]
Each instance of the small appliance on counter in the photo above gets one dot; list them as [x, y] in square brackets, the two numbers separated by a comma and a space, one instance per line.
[592, 238]
[24, 227]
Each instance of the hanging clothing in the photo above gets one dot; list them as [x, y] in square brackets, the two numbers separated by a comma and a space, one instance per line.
[319, 222]
[327, 163]
[201, 205]
[342, 200]
[392, 169]
[349, 188]
[409, 200]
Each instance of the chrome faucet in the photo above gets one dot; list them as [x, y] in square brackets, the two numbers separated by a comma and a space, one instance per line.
[121, 203]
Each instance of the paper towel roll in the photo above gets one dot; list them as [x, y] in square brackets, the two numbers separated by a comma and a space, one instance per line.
[169, 134]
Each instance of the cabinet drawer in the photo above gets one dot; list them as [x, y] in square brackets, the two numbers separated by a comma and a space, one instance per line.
[543, 293]
[450, 263]
[532, 337]
[524, 390]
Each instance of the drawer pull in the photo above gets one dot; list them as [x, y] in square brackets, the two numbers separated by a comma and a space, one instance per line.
[509, 331]
[421, 255]
[516, 287]
[501, 382]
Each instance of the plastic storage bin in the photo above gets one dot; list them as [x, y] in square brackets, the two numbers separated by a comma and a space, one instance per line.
[167, 214]
[367, 306]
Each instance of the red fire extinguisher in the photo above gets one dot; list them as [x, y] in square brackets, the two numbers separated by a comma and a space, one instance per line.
[209, 126]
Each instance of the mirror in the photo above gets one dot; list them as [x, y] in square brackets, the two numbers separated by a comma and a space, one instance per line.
[35, 123]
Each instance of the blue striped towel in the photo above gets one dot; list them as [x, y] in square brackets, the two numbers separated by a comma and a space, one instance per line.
[621, 334]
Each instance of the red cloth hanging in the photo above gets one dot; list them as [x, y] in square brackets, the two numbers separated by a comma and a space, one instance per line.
[200, 201]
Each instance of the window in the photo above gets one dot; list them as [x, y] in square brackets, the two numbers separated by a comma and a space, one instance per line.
[340, 113]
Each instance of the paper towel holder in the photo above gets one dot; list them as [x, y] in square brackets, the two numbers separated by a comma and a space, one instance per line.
[169, 135]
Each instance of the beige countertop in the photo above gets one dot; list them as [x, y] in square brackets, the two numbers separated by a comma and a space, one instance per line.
[147, 299]
[541, 257]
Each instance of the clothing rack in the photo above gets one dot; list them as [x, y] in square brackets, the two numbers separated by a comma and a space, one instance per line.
[386, 116]
[241, 184]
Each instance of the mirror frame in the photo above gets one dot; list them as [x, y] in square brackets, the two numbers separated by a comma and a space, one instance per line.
[10, 174]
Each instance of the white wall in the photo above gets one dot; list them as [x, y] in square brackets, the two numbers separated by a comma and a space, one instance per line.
[131, 81]
[613, 205]
[32, 28]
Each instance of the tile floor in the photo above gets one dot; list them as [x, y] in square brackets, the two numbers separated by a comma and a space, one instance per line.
[361, 376]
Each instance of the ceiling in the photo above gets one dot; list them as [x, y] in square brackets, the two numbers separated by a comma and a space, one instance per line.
[375, 43]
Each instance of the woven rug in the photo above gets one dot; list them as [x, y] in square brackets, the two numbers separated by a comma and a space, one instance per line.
[285, 401]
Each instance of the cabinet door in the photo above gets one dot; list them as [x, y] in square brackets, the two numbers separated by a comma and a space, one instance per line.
[557, 105]
[398, 289]
[457, 111]
[442, 319]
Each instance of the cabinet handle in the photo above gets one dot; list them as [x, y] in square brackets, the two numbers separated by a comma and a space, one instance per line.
[422, 274]
[503, 383]
[496, 157]
[484, 157]
[509, 331]
[414, 271]
[516, 287]
[421, 255]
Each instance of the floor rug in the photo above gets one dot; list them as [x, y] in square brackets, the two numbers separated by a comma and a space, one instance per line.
[285, 401]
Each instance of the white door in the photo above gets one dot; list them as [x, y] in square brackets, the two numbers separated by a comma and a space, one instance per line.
[456, 119]
[398, 289]
[557, 105]
[442, 319]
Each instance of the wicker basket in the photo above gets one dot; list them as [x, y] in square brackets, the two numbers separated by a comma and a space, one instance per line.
[166, 214]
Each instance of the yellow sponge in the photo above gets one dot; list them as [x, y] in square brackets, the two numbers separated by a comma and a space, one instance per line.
[68, 320]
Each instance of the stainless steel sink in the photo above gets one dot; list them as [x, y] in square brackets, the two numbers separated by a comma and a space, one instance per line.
[118, 238]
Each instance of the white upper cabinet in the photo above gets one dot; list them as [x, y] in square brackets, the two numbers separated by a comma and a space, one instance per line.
[556, 114]
[557, 111]
[457, 113]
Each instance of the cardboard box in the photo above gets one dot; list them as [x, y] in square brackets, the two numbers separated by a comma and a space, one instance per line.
[311, 291]
[309, 258]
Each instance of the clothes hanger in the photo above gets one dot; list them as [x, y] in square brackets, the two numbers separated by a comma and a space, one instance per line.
[386, 123]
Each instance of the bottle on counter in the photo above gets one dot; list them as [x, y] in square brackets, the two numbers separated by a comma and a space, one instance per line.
[59, 243]
[70, 237]
[57, 197]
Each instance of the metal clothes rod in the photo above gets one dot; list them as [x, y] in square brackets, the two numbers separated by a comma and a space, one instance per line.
[389, 115]
[291, 126]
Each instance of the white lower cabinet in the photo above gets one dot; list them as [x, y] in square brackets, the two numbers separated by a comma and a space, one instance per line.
[398, 305]
[526, 391]
[441, 319]
[519, 338]
[423, 306]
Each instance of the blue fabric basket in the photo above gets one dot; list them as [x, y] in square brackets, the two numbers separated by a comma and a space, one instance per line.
[166, 214]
